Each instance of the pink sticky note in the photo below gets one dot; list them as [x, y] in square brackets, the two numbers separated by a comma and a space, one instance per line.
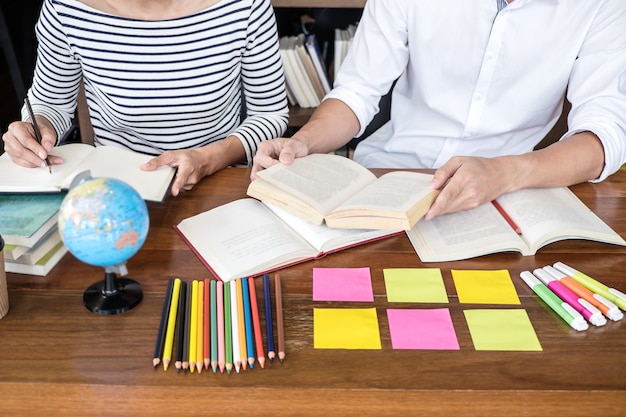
[342, 284]
[430, 329]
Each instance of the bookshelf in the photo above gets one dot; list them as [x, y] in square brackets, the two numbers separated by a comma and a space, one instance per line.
[297, 115]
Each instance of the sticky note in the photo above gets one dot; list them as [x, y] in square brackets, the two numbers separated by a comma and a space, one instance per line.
[508, 330]
[347, 328]
[422, 329]
[485, 287]
[342, 284]
[415, 285]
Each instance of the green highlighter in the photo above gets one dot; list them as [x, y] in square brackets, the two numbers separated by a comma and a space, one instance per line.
[616, 297]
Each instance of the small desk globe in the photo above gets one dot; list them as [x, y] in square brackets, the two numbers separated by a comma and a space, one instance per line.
[103, 222]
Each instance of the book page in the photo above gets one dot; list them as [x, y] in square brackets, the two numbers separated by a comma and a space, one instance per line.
[465, 234]
[393, 194]
[546, 215]
[323, 238]
[242, 238]
[16, 178]
[322, 181]
[125, 165]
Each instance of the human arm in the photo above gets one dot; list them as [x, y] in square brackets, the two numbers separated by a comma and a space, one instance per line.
[21, 145]
[467, 182]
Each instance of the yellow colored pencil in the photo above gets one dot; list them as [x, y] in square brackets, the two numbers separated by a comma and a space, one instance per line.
[200, 336]
[171, 325]
[193, 326]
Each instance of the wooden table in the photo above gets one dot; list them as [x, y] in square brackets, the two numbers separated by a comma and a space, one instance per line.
[56, 358]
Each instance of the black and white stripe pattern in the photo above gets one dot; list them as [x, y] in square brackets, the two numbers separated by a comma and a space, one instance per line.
[153, 86]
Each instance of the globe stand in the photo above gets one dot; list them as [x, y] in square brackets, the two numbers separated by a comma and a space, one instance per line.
[113, 295]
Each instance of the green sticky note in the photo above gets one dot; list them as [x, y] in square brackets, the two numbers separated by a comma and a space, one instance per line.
[485, 287]
[345, 328]
[415, 285]
[507, 330]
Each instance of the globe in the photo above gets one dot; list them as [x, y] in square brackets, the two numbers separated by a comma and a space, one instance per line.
[103, 221]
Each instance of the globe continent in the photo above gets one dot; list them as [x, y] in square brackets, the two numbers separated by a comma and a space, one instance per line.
[103, 221]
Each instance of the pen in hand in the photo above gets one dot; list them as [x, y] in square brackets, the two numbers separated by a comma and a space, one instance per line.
[37, 131]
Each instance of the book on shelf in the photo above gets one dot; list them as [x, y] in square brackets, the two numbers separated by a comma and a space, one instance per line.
[542, 216]
[317, 58]
[26, 218]
[342, 193]
[246, 238]
[41, 266]
[296, 77]
[101, 161]
[309, 67]
[343, 41]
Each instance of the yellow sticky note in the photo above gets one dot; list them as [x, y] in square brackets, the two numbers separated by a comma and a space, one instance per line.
[415, 285]
[502, 330]
[485, 287]
[345, 328]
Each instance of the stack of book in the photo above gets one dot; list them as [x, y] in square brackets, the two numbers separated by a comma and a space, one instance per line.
[29, 227]
[306, 74]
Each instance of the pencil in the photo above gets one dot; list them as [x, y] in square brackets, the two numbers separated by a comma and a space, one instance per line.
[506, 216]
[180, 326]
[279, 319]
[171, 325]
[221, 355]
[200, 328]
[247, 313]
[268, 318]
[234, 320]
[193, 326]
[258, 337]
[228, 337]
[241, 326]
[33, 121]
[207, 324]
[186, 328]
[214, 339]
[160, 342]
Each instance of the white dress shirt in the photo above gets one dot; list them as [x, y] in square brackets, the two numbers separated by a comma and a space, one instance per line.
[472, 81]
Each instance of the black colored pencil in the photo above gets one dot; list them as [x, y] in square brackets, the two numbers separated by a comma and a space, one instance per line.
[160, 342]
[271, 353]
[279, 318]
[180, 324]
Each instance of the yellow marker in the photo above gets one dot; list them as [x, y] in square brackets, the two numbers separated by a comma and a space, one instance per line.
[200, 327]
[171, 325]
[193, 326]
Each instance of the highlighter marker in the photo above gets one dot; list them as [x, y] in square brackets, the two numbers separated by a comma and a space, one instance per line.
[560, 307]
[605, 306]
[611, 294]
[589, 312]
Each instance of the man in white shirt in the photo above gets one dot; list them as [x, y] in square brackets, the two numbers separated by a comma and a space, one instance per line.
[479, 84]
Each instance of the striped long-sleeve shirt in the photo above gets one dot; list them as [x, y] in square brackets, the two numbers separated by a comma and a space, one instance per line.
[153, 86]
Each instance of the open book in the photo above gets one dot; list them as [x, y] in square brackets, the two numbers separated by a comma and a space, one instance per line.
[335, 189]
[247, 238]
[543, 216]
[102, 161]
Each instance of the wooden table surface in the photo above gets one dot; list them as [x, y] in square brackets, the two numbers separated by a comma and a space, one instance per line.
[58, 359]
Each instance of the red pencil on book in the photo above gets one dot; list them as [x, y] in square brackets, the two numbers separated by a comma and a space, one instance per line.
[506, 216]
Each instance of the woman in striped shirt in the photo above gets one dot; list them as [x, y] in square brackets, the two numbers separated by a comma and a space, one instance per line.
[167, 78]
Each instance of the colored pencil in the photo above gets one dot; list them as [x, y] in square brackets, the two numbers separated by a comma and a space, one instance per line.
[193, 326]
[258, 337]
[200, 337]
[279, 319]
[180, 326]
[165, 312]
[506, 216]
[171, 325]
[247, 314]
[207, 324]
[271, 354]
[221, 356]
[243, 352]
[186, 328]
[228, 329]
[234, 326]
[213, 305]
